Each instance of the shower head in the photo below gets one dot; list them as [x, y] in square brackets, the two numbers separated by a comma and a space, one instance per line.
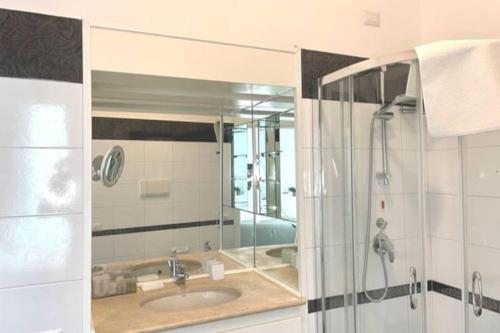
[405, 101]
[384, 115]
[406, 104]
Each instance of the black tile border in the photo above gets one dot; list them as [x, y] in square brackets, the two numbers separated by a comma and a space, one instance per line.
[334, 302]
[37, 46]
[107, 128]
[338, 301]
[444, 289]
[488, 303]
[149, 228]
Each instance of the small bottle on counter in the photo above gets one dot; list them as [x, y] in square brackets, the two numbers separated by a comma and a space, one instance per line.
[121, 285]
[100, 284]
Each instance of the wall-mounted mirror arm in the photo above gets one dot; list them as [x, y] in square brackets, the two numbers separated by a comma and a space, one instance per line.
[108, 168]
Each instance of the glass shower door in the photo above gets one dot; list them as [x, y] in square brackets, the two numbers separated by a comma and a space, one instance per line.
[337, 288]
[372, 203]
[481, 200]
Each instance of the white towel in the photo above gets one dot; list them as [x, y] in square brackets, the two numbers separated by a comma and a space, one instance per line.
[461, 86]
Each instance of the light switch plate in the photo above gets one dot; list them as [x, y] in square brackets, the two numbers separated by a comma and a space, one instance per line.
[371, 18]
[154, 187]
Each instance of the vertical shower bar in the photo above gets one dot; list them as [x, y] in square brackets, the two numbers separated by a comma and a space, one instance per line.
[385, 158]
[350, 200]
[322, 237]
[221, 181]
[256, 181]
[422, 203]
[465, 234]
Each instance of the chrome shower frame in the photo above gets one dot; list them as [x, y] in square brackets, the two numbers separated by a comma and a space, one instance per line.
[384, 114]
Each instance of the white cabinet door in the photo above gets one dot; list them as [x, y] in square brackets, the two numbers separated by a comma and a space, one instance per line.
[292, 325]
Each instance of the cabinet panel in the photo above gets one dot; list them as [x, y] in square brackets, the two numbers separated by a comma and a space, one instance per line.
[292, 325]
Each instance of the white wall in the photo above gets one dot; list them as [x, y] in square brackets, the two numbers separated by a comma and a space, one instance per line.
[449, 19]
[334, 26]
[128, 52]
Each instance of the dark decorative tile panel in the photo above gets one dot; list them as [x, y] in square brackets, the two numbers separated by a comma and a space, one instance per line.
[40, 46]
[366, 86]
[149, 228]
[316, 64]
[153, 130]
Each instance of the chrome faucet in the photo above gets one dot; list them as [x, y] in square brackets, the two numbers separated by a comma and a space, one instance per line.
[177, 270]
[381, 243]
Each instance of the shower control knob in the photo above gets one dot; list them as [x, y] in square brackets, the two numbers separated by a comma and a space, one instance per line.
[381, 223]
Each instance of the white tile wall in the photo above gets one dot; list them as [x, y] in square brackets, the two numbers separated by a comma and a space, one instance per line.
[41, 249]
[401, 209]
[30, 107]
[40, 181]
[445, 232]
[448, 314]
[41, 220]
[482, 198]
[446, 258]
[391, 317]
[192, 168]
[58, 307]
[481, 175]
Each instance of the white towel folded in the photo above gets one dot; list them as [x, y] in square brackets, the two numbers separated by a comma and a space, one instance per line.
[461, 86]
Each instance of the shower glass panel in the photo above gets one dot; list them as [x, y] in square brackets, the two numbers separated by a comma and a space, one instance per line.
[337, 280]
[372, 203]
[481, 202]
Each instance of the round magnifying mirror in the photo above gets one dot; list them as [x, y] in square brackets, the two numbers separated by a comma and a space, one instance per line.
[112, 166]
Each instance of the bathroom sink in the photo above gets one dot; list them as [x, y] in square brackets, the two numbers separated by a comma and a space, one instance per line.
[161, 267]
[192, 300]
[276, 253]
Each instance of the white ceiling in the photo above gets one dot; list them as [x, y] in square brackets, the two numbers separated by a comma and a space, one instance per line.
[113, 91]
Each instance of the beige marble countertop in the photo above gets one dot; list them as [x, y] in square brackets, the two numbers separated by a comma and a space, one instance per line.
[286, 275]
[229, 264]
[273, 266]
[124, 314]
[262, 259]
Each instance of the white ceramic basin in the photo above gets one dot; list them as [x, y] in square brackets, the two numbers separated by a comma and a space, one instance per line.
[192, 300]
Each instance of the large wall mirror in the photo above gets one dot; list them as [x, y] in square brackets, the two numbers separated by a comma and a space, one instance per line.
[207, 173]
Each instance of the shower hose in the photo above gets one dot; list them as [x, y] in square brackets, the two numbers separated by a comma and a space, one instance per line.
[368, 223]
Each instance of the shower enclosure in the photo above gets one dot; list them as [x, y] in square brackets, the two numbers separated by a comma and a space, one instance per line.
[372, 199]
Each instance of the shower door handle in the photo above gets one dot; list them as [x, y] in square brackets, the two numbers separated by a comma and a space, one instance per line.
[412, 288]
[477, 283]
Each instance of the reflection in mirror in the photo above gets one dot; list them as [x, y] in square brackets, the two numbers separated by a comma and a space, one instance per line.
[183, 179]
[109, 168]
[243, 167]
[261, 198]
[276, 166]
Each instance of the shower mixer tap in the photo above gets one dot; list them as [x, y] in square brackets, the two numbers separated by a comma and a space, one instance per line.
[382, 245]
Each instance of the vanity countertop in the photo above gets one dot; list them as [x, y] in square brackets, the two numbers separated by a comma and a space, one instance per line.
[124, 313]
